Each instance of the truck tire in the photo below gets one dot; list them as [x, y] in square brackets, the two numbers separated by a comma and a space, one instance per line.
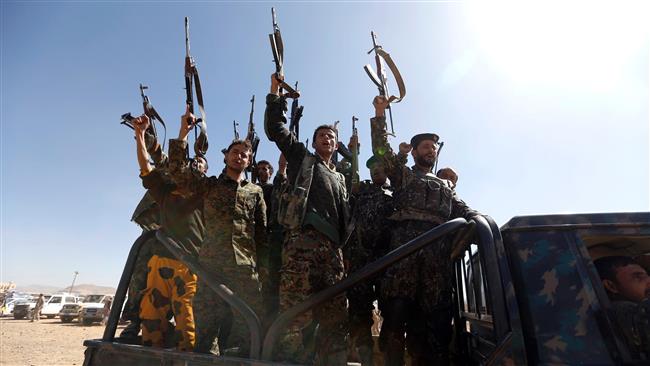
[87, 322]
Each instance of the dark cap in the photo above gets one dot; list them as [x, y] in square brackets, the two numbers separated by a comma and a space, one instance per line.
[372, 161]
[415, 141]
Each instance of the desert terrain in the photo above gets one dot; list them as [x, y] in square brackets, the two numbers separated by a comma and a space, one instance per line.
[46, 342]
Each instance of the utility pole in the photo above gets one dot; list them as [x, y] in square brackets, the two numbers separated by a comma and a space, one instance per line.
[73, 279]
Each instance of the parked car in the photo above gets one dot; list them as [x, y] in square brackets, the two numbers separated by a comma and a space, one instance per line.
[69, 312]
[55, 304]
[7, 308]
[23, 308]
[92, 309]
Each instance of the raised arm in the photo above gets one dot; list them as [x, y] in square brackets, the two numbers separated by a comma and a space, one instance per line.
[394, 164]
[140, 125]
[179, 166]
[274, 124]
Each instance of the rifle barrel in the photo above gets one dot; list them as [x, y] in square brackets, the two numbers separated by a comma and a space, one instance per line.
[187, 36]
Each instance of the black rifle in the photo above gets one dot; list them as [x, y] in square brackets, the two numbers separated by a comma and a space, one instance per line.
[277, 47]
[192, 84]
[151, 133]
[254, 141]
[296, 114]
[355, 155]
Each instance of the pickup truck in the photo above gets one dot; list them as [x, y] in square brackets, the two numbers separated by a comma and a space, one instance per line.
[526, 294]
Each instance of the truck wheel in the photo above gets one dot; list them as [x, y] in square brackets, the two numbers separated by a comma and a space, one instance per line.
[87, 322]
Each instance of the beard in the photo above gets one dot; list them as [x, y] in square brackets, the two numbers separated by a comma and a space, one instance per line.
[421, 160]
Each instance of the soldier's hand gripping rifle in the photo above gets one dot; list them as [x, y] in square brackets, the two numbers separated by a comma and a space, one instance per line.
[277, 47]
[254, 141]
[151, 135]
[296, 114]
[380, 79]
[193, 83]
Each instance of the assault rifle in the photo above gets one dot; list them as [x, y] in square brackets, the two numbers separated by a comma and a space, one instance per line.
[277, 47]
[296, 114]
[380, 79]
[254, 140]
[235, 127]
[355, 155]
[151, 135]
[192, 84]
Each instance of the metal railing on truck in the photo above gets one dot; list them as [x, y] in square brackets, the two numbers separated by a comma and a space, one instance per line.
[459, 226]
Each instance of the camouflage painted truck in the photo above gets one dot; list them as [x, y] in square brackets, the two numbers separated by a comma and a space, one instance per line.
[526, 294]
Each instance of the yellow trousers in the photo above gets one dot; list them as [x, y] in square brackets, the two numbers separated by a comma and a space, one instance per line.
[170, 289]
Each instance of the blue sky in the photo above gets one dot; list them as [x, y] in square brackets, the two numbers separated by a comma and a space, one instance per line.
[543, 108]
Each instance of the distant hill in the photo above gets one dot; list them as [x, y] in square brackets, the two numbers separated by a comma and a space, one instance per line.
[85, 289]
[82, 289]
[37, 289]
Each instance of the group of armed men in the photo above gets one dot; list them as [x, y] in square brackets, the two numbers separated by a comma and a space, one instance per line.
[276, 244]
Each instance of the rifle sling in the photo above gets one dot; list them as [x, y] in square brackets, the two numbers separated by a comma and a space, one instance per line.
[398, 77]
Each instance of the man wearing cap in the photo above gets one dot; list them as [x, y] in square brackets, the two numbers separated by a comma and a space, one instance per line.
[368, 242]
[415, 293]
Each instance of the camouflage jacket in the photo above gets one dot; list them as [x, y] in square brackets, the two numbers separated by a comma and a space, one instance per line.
[234, 214]
[418, 195]
[327, 201]
[181, 216]
[372, 207]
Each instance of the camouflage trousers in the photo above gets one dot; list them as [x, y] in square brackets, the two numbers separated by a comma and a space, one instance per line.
[138, 283]
[415, 298]
[221, 329]
[311, 263]
[170, 289]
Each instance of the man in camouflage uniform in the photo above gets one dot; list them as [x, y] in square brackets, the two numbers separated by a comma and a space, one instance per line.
[416, 292]
[234, 244]
[368, 242]
[170, 284]
[315, 217]
[628, 287]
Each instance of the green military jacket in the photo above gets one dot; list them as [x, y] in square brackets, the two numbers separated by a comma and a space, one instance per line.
[327, 203]
[234, 215]
[418, 196]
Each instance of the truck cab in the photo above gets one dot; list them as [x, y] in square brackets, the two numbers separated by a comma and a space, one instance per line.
[533, 295]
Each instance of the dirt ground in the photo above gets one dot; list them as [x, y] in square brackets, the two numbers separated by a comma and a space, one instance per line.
[47, 342]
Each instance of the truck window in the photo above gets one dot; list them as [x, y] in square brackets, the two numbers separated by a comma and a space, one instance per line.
[55, 300]
[622, 263]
